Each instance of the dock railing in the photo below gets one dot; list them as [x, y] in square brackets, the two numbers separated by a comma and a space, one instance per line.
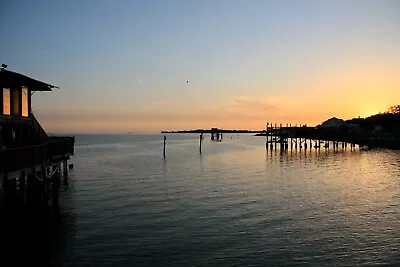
[18, 158]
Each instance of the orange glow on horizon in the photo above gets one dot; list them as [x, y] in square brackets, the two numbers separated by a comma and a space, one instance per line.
[346, 94]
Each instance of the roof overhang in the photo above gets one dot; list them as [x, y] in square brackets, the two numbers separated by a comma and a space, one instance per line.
[10, 79]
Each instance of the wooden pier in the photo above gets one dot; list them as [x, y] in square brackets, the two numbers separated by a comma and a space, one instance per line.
[307, 138]
[31, 162]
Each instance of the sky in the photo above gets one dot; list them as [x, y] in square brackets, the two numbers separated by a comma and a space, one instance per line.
[123, 66]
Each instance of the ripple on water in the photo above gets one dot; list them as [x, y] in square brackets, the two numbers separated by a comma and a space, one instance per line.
[235, 205]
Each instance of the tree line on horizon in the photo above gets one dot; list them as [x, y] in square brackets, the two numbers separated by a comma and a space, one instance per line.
[389, 120]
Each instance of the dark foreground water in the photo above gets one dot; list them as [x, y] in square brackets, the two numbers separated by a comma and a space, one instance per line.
[235, 205]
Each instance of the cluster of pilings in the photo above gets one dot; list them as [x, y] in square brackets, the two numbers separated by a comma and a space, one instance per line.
[284, 139]
[216, 135]
[38, 187]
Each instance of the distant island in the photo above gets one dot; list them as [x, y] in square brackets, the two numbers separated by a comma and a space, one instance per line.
[212, 130]
[387, 121]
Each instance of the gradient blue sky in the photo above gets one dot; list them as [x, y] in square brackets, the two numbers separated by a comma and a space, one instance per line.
[123, 65]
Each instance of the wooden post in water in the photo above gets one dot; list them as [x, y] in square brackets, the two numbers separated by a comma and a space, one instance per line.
[266, 136]
[270, 136]
[65, 171]
[12, 187]
[44, 187]
[201, 140]
[22, 187]
[291, 137]
[56, 191]
[287, 137]
[275, 140]
[280, 137]
[6, 194]
[165, 140]
[30, 193]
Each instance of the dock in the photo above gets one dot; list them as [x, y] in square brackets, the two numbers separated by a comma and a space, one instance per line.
[302, 136]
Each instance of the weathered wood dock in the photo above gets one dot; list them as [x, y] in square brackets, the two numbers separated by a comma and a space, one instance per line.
[214, 130]
[31, 162]
[303, 137]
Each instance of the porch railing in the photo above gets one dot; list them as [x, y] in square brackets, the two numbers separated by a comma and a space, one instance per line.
[14, 159]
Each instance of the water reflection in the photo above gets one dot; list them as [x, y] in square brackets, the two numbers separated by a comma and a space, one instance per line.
[317, 154]
[37, 236]
[234, 203]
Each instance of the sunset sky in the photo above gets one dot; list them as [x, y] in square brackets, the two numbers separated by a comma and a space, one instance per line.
[122, 66]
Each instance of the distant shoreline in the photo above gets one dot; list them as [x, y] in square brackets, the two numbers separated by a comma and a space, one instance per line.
[212, 131]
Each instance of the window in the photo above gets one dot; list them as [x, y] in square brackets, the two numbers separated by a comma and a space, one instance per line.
[25, 93]
[6, 101]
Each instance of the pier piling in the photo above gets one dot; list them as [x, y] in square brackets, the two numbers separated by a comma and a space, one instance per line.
[165, 140]
[22, 188]
[302, 137]
[56, 192]
[200, 142]
[65, 170]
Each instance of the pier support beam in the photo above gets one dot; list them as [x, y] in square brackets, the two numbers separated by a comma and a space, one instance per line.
[65, 171]
[34, 189]
[44, 189]
[56, 192]
[9, 190]
[22, 188]
[30, 192]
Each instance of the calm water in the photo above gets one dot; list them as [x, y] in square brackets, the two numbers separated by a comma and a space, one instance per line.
[235, 205]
